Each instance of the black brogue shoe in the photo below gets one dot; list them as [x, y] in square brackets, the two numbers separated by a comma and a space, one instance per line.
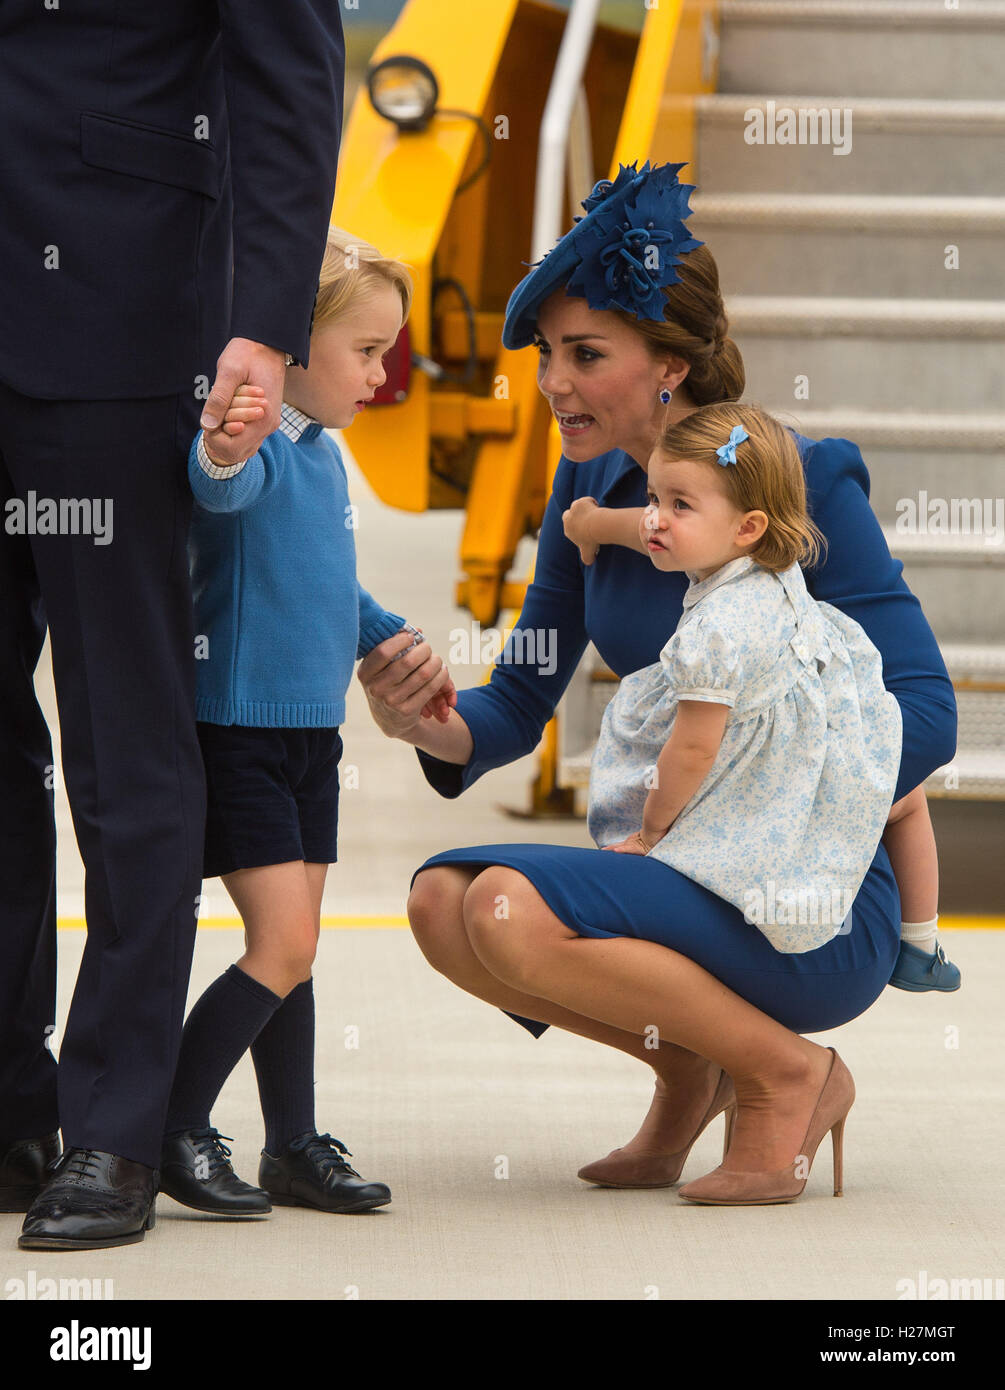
[23, 1165]
[93, 1200]
[196, 1171]
[311, 1172]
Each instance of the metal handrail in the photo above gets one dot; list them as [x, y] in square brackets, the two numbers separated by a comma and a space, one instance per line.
[563, 94]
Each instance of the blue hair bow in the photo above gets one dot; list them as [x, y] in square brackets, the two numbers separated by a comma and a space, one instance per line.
[727, 453]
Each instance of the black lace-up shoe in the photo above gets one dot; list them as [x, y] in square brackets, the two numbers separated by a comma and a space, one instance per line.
[311, 1172]
[196, 1171]
[23, 1164]
[93, 1200]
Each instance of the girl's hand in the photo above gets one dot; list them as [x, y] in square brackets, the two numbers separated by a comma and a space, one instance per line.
[576, 524]
[441, 704]
[633, 845]
[248, 404]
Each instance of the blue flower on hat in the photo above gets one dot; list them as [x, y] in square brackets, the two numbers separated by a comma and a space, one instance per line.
[627, 173]
[621, 254]
[631, 240]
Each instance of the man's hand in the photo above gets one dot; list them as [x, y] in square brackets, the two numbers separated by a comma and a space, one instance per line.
[576, 524]
[243, 363]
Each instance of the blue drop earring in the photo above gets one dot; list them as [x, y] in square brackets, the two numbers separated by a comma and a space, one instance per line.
[665, 396]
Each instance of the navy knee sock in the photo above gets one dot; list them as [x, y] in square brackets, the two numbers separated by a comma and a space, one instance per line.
[283, 1054]
[221, 1026]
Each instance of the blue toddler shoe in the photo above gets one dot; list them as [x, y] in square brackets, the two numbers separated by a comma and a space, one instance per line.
[918, 971]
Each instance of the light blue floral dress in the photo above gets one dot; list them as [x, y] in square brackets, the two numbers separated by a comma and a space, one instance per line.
[786, 822]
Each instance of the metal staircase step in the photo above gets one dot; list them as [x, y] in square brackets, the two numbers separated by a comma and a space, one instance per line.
[907, 453]
[981, 551]
[824, 316]
[958, 579]
[850, 212]
[975, 663]
[920, 48]
[909, 429]
[834, 352]
[976, 774]
[977, 770]
[897, 145]
[911, 114]
[854, 244]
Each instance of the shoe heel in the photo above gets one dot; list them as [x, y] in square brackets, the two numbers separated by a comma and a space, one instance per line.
[727, 1133]
[837, 1140]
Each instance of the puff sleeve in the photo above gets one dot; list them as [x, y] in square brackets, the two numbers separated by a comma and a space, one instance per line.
[701, 662]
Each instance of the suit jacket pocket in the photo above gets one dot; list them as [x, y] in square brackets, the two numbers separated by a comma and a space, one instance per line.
[147, 152]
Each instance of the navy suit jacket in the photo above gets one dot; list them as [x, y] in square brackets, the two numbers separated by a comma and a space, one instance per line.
[167, 172]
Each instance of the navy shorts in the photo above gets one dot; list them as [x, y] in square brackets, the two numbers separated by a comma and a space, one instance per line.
[272, 796]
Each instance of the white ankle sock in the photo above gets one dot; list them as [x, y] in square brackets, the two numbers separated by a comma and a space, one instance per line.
[921, 934]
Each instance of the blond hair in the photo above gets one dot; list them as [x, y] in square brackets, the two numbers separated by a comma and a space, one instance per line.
[767, 476]
[350, 271]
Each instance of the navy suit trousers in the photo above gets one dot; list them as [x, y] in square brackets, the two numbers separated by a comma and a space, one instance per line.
[117, 602]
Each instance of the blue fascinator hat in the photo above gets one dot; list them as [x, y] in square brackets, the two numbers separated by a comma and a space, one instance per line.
[621, 255]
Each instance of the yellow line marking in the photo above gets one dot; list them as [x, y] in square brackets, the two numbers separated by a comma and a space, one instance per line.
[985, 922]
[360, 920]
[982, 923]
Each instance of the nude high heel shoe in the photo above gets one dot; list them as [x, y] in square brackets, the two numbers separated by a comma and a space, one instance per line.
[620, 1169]
[727, 1189]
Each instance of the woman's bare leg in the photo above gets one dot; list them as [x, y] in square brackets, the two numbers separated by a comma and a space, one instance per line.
[632, 985]
[684, 1079]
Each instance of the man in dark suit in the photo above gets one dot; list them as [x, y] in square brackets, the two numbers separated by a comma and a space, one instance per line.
[167, 172]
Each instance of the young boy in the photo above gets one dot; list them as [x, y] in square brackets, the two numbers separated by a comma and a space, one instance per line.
[281, 618]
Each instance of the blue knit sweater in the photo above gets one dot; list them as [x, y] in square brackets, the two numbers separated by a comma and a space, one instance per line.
[280, 615]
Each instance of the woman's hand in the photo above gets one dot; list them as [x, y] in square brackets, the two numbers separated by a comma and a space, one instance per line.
[401, 692]
[576, 524]
[633, 845]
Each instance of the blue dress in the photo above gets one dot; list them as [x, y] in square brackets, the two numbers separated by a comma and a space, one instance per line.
[626, 607]
[785, 822]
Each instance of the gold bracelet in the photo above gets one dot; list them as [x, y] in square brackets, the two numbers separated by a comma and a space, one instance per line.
[648, 848]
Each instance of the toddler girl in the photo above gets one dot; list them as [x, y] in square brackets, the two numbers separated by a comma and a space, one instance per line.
[776, 780]
[281, 618]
